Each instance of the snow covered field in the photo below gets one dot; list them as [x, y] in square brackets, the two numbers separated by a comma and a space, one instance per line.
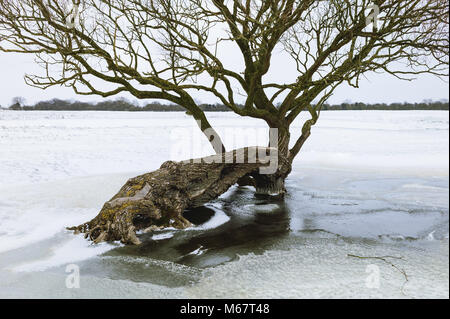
[369, 183]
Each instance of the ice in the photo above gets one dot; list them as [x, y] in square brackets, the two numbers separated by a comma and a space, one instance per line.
[329, 273]
[162, 236]
[369, 183]
[35, 212]
[219, 218]
[74, 250]
[198, 251]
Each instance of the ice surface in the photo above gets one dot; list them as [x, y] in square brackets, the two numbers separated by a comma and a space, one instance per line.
[313, 270]
[368, 183]
[219, 218]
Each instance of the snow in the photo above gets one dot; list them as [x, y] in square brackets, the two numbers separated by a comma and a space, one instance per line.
[367, 182]
[43, 146]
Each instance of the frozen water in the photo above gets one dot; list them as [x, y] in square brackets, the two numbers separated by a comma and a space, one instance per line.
[366, 183]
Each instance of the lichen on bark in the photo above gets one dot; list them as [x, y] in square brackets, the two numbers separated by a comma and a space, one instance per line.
[158, 199]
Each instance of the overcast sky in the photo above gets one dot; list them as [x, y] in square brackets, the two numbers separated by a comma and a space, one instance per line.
[377, 88]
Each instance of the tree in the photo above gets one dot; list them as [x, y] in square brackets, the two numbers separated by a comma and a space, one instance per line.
[17, 103]
[170, 49]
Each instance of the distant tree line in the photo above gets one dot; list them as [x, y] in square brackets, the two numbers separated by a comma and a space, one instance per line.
[443, 106]
[125, 105]
[108, 105]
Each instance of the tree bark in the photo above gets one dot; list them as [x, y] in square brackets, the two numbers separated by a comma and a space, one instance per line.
[273, 184]
[158, 199]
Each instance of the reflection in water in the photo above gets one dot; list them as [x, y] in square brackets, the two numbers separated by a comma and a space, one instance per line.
[240, 223]
[255, 223]
[308, 228]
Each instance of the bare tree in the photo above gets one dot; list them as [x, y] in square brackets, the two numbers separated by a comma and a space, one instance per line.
[17, 102]
[171, 49]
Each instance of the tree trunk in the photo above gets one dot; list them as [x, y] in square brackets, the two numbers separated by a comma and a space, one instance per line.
[158, 199]
[273, 184]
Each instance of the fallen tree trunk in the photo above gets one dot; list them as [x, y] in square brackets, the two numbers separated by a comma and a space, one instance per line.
[158, 199]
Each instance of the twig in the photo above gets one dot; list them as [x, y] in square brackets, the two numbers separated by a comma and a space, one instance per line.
[385, 259]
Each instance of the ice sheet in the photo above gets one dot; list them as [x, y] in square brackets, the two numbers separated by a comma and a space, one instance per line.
[372, 182]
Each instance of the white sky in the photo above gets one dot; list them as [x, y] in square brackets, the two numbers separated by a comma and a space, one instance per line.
[377, 88]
